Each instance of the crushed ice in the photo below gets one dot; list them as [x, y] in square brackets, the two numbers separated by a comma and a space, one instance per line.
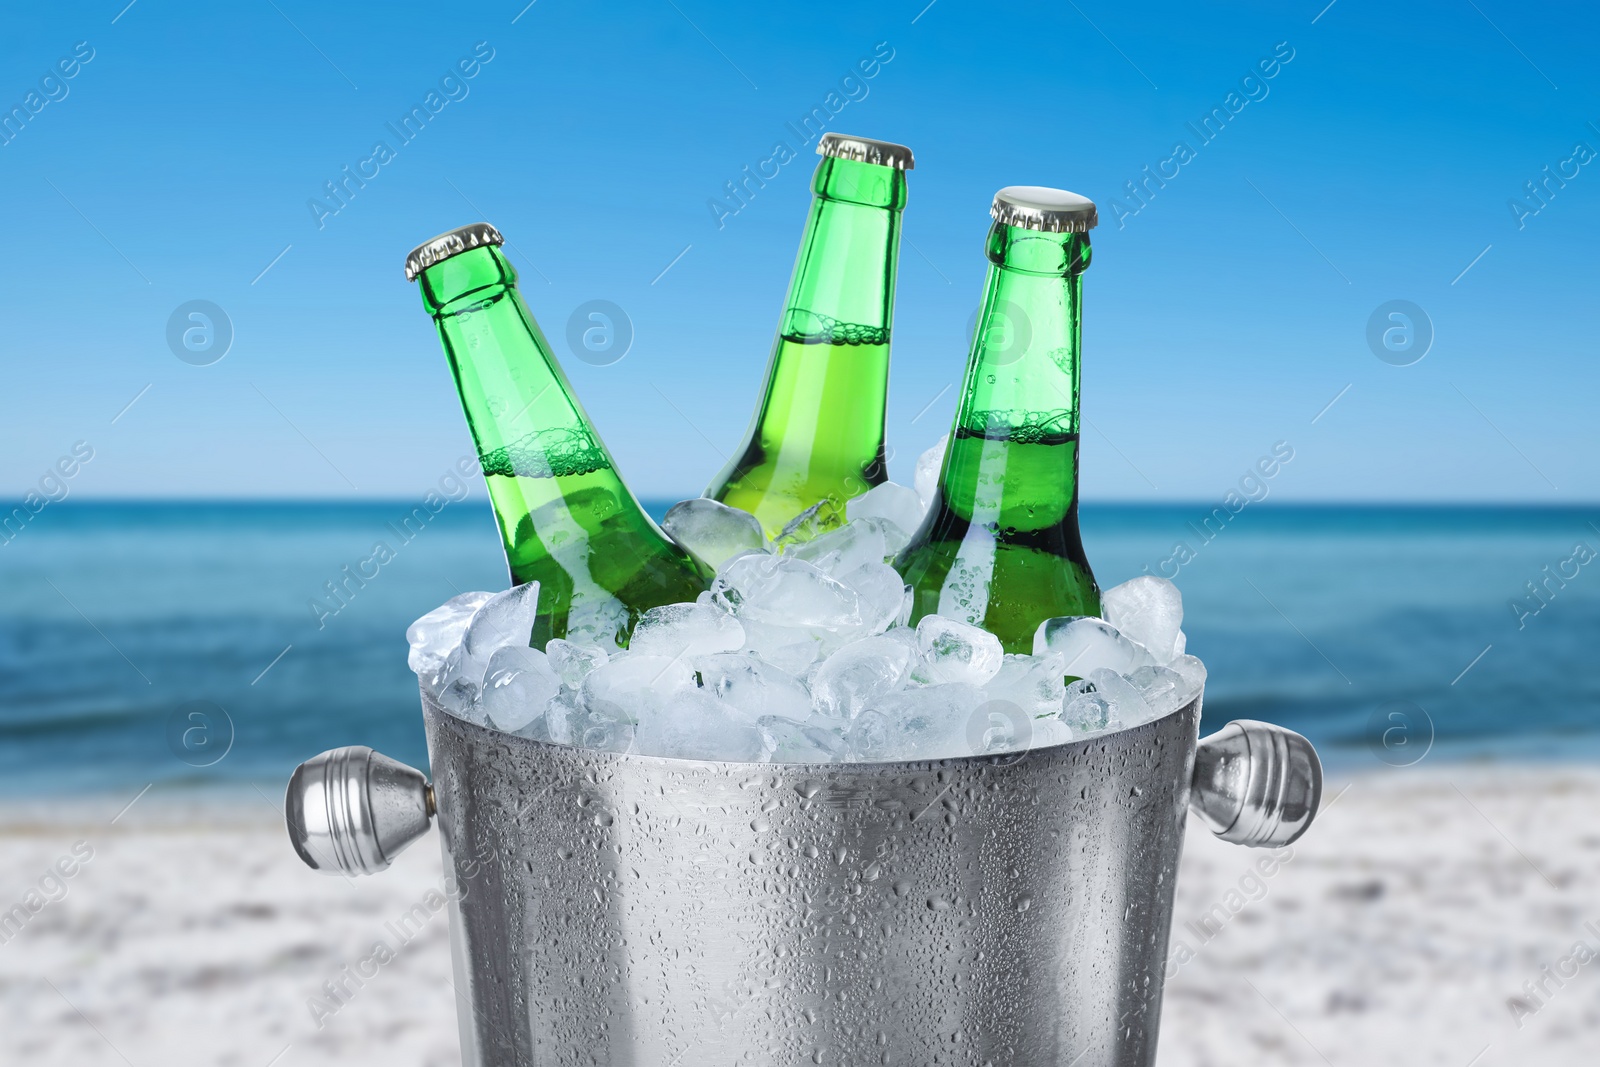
[803, 655]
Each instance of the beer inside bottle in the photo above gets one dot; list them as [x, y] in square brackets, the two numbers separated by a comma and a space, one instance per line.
[1000, 547]
[566, 519]
[818, 433]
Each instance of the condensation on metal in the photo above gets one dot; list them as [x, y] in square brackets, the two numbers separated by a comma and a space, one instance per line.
[645, 912]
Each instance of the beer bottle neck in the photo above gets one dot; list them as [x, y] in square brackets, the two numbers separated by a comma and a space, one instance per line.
[842, 290]
[1012, 463]
[525, 420]
[549, 475]
[1001, 546]
[817, 435]
[1022, 370]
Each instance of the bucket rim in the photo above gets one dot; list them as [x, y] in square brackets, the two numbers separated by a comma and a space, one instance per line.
[1127, 735]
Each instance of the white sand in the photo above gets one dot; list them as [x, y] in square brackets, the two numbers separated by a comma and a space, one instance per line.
[1396, 933]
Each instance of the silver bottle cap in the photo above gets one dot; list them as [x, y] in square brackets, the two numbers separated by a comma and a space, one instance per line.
[450, 244]
[1037, 207]
[866, 150]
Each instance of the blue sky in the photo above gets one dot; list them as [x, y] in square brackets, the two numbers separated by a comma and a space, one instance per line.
[1377, 164]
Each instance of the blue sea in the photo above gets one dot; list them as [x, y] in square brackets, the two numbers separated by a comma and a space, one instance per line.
[179, 642]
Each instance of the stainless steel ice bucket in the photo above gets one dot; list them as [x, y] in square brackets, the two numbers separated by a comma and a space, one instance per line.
[627, 910]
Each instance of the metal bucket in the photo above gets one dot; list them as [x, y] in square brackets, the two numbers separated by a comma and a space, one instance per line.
[643, 912]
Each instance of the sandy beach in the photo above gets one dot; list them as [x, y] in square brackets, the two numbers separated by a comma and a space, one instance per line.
[1412, 925]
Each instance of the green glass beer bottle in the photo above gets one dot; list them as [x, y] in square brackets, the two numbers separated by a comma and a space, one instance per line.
[1000, 547]
[818, 434]
[567, 520]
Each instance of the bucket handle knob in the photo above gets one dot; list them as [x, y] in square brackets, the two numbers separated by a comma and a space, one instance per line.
[352, 810]
[1256, 784]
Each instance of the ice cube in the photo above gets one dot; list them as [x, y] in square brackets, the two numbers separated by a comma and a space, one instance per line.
[517, 684]
[785, 591]
[1162, 689]
[607, 735]
[435, 680]
[804, 740]
[460, 697]
[572, 663]
[567, 723]
[908, 600]
[751, 687]
[863, 672]
[925, 723]
[882, 595]
[1050, 730]
[1102, 700]
[1121, 691]
[927, 477]
[792, 614]
[866, 738]
[1085, 709]
[602, 714]
[1193, 673]
[626, 685]
[1088, 643]
[853, 545]
[1148, 610]
[563, 715]
[599, 621]
[686, 630]
[794, 650]
[538, 728]
[693, 724]
[506, 619]
[1034, 683]
[713, 531]
[434, 636]
[1000, 725]
[957, 651]
[898, 505]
